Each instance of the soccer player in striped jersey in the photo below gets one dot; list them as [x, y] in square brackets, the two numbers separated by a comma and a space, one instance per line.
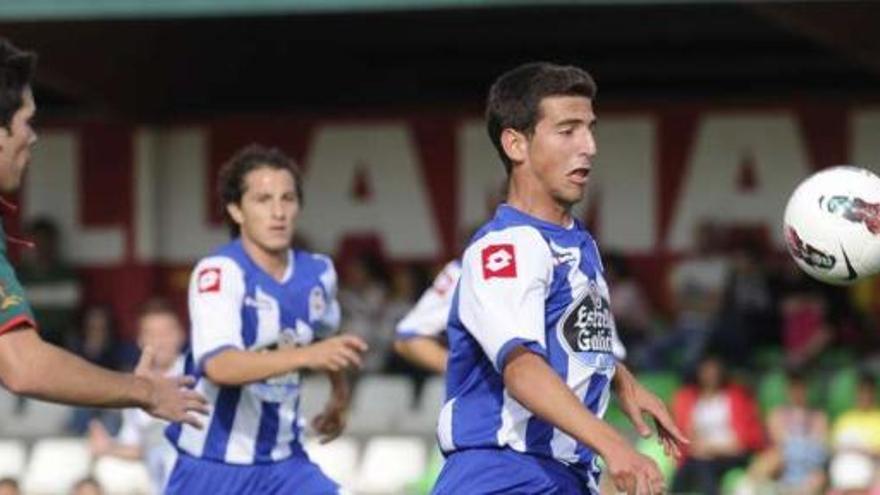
[28, 365]
[421, 334]
[531, 336]
[261, 313]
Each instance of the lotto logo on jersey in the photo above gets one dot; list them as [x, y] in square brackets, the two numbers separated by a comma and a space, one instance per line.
[209, 280]
[499, 260]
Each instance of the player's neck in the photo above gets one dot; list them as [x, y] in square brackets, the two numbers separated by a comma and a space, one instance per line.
[531, 200]
[272, 262]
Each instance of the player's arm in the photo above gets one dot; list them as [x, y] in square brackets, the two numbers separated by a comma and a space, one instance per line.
[427, 352]
[505, 280]
[418, 333]
[332, 420]
[635, 400]
[234, 367]
[530, 380]
[29, 366]
[216, 295]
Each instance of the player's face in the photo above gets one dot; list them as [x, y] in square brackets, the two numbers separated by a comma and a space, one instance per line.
[162, 332]
[268, 209]
[562, 147]
[16, 143]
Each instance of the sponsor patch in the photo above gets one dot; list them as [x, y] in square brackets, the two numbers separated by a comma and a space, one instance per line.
[209, 280]
[499, 260]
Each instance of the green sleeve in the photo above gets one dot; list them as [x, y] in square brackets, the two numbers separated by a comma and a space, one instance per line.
[14, 308]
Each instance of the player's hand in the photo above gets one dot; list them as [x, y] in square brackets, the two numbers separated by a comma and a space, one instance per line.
[636, 400]
[633, 473]
[336, 353]
[170, 398]
[99, 439]
[330, 423]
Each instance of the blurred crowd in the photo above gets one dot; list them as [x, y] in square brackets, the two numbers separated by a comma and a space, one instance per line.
[772, 375]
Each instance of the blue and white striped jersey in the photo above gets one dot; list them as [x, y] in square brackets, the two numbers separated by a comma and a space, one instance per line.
[428, 318]
[533, 283]
[234, 304]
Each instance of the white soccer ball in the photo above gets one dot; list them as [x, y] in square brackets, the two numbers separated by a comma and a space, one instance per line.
[832, 225]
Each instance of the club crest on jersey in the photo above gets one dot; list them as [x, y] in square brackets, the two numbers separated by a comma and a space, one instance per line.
[8, 300]
[499, 260]
[317, 304]
[564, 256]
[208, 280]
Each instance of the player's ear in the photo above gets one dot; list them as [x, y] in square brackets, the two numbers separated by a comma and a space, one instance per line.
[514, 144]
[234, 211]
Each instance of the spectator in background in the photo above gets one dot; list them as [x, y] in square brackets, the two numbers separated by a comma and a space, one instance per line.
[52, 286]
[95, 341]
[95, 336]
[87, 486]
[723, 423]
[805, 328]
[859, 428]
[399, 300]
[362, 297]
[798, 450]
[632, 312]
[404, 288]
[141, 436]
[696, 284]
[9, 486]
[748, 312]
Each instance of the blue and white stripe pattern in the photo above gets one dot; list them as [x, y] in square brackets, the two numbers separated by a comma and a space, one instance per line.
[234, 304]
[531, 283]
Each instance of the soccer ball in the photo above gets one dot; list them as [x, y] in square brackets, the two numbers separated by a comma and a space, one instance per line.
[832, 225]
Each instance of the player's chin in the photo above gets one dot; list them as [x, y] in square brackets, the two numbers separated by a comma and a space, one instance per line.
[10, 184]
[571, 195]
[278, 242]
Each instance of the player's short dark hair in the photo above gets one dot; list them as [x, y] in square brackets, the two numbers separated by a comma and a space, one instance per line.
[8, 481]
[155, 306]
[16, 72]
[231, 180]
[514, 100]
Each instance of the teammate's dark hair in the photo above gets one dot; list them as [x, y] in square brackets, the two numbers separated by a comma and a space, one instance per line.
[16, 72]
[155, 306]
[231, 180]
[514, 100]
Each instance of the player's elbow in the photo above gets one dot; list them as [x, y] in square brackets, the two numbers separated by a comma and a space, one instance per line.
[19, 381]
[401, 347]
[220, 376]
[519, 370]
[16, 365]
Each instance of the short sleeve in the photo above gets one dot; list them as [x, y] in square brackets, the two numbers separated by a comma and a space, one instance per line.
[216, 293]
[429, 316]
[328, 321]
[14, 308]
[504, 283]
